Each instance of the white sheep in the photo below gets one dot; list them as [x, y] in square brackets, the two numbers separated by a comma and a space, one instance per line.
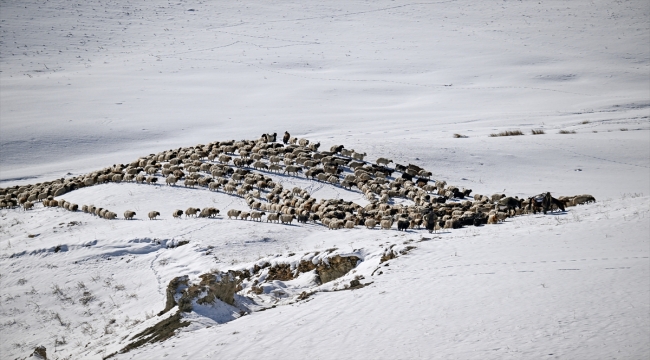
[224, 159]
[335, 224]
[358, 156]
[153, 214]
[386, 224]
[171, 180]
[383, 161]
[287, 218]
[346, 152]
[233, 213]
[128, 215]
[177, 213]
[273, 217]
[292, 170]
[257, 215]
[583, 199]
[260, 165]
[191, 211]
[370, 223]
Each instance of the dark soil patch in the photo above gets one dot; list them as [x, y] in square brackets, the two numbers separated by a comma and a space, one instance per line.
[159, 332]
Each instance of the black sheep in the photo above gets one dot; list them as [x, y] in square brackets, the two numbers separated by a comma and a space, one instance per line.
[403, 224]
[440, 199]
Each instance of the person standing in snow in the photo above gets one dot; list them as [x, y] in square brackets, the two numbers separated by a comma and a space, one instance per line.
[430, 219]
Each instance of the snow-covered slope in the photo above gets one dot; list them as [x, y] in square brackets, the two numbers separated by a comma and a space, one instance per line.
[90, 84]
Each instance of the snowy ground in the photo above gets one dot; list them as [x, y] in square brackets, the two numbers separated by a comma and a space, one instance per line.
[84, 86]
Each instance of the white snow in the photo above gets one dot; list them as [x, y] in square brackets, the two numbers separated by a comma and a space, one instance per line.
[89, 84]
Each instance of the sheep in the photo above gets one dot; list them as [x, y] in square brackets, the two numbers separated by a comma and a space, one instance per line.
[209, 212]
[233, 213]
[370, 223]
[335, 224]
[303, 142]
[292, 169]
[425, 174]
[273, 217]
[214, 186]
[383, 161]
[583, 199]
[386, 224]
[244, 215]
[346, 152]
[177, 213]
[314, 146]
[496, 197]
[349, 224]
[333, 180]
[191, 211]
[285, 218]
[117, 178]
[257, 215]
[358, 156]
[509, 203]
[28, 205]
[270, 137]
[322, 177]
[403, 224]
[260, 165]
[153, 215]
[128, 215]
[275, 168]
[224, 159]
[189, 182]
[109, 215]
[171, 180]
[286, 137]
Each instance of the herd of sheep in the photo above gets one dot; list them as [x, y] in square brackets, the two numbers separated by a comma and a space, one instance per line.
[241, 168]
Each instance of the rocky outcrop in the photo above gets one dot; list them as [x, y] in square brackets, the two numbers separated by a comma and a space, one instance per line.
[337, 267]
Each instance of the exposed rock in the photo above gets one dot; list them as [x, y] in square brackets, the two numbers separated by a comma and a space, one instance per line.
[221, 286]
[338, 266]
[172, 290]
[280, 272]
[306, 266]
[39, 353]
